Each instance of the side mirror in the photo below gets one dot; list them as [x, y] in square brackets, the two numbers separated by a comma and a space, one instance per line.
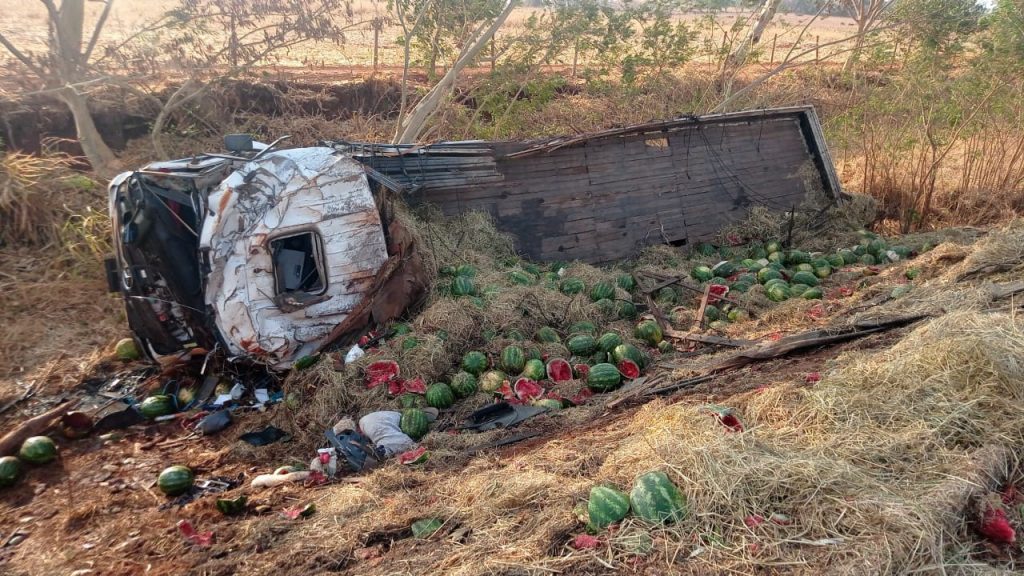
[238, 143]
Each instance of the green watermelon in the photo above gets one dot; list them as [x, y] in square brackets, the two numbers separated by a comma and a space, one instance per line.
[766, 274]
[414, 423]
[409, 342]
[867, 259]
[520, 278]
[10, 471]
[126, 350]
[776, 257]
[848, 257]
[601, 291]
[492, 380]
[797, 290]
[648, 331]
[158, 405]
[667, 296]
[583, 327]
[757, 251]
[912, 273]
[858, 251]
[426, 527]
[581, 345]
[804, 268]
[597, 358]
[474, 362]
[605, 306]
[465, 270]
[705, 249]
[440, 396]
[410, 400]
[462, 286]
[712, 313]
[531, 268]
[515, 335]
[547, 334]
[812, 294]
[232, 506]
[665, 347]
[625, 309]
[446, 271]
[656, 499]
[805, 278]
[175, 480]
[603, 377]
[902, 251]
[549, 403]
[533, 353]
[608, 341]
[724, 269]
[512, 360]
[463, 384]
[773, 246]
[627, 352]
[571, 286]
[534, 370]
[777, 292]
[626, 282]
[701, 273]
[836, 261]
[606, 506]
[401, 328]
[797, 257]
[877, 247]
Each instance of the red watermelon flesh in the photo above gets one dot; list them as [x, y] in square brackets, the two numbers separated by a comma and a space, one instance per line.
[415, 456]
[716, 292]
[416, 386]
[559, 370]
[381, 372]
[526, 389]
[582, 396]
[629, 369]
[396, 386]
[582, 370]
[505, 391]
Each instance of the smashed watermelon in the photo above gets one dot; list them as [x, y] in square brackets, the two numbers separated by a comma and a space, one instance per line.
[381, 372]
[505, 391]
[716, 292]
[416, 386]
[414, 456]
[559, 370]
[628, 369]
[581, 370]
[527, 390]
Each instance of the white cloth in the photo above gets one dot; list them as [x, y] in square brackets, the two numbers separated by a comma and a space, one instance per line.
[384, 430]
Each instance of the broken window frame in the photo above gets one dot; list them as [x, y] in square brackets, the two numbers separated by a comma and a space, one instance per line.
[319, 258]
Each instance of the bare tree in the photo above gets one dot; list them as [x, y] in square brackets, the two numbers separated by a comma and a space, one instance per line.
[764, 17]
[412, 127]
[867, 14]
[65, 67]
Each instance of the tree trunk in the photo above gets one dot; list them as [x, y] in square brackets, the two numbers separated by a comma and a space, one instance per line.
[417, 121]
[764, 17]
[858, 45]
[104, 162]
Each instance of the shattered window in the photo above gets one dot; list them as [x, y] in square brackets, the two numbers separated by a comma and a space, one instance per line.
[298, 263]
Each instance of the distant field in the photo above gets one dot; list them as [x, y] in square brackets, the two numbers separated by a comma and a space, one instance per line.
[25, 24]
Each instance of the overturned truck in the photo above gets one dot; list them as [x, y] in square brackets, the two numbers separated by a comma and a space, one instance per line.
[270, 254]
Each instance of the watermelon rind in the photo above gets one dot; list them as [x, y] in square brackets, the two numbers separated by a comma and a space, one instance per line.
[175, 480]
[603, 377]
[581, 345]
[414, 423]
[38, 450]
[655, 499]
[474, 362]
[464, 384]
[439, 395]
[606, 506]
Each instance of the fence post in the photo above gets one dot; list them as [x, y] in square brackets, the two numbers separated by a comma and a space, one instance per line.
[817, 45]
[774, 38]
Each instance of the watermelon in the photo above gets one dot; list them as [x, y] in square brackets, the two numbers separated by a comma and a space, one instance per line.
[737, 315]
[409, 342]
[10, 471]
[549, 403]
[531, 268]
[665, 347]
[603, 377]
[520, 278]
[797, 257]
[554, 266]
[465, 270]
[440, 396]
[656, 499]
[777, 292]
[415, 385]
[712, 313]
[812, 294]
[724, 269]
[626, 282]
[414, 423]
[629, 369]
[401, 328]
[583, 327]
[512, 360]
[581, 345]
[581, 370]
[912, 273]
[232, 506]
[598, 358]
[773, 246]
[558, 370]
[848, 257]
[805, 268]
[547, 334]
[757, 251]
[474, 362]
[766, 274]
[605, 306]
[776, 257]
[446, 271]
[601, 291]
[492, 380]
[426, 527]
[534, 370]
[462, 286]
[550, 280]
[867, 259]
[381, 372]
[701, 273]
[410, 400]
[571, 286]
[126, 350]
[877, 247]
[741, 287]
[902, 251]
[175, 480]
[464, 384]
[625, 309]
[667, 296]
[628, 352]
[606, 506]
[797, 290]
[608, 341]
[747, 278]
[649, 332]
[836, 261]
[705, 249]
[533, 353]
[414, 456]
[805, 278]
[158, 405]
[527, 390]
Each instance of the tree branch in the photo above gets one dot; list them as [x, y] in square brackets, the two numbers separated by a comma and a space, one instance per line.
[96, 32]
[22, 57]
